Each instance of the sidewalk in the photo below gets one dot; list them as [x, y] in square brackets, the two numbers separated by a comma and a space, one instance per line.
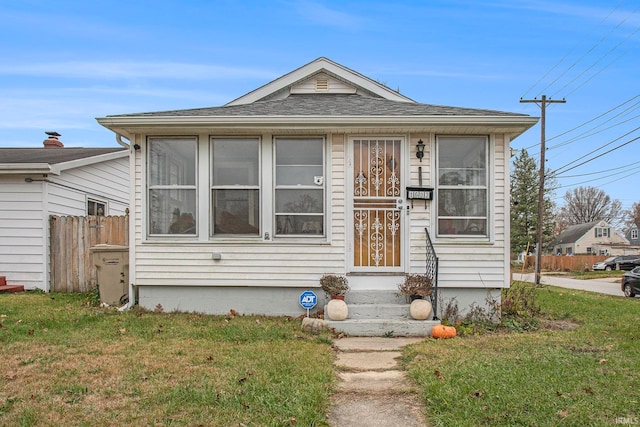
[610, 286]
[373, 391]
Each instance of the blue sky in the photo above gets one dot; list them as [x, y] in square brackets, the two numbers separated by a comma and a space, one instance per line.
[67, 62]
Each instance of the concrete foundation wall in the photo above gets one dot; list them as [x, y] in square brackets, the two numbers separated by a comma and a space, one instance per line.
[220, 300]
[466, 297]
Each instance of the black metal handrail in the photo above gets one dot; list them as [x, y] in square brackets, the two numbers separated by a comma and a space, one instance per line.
[432, 273]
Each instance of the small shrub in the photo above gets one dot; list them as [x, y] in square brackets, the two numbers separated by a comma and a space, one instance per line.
[415, 285]
[334, 285]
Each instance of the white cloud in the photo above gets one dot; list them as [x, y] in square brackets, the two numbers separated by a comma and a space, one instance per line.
[128, 70]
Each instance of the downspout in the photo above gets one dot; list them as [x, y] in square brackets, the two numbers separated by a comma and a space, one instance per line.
[121, 142]
[132, 291]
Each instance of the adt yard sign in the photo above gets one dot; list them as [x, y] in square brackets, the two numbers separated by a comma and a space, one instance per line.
[308, 300]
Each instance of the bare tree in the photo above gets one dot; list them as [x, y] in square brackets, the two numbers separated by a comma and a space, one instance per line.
[632, 216]
[587, 204]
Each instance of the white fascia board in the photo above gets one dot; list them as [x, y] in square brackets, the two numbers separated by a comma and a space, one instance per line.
[130, 123]
[25, 168]
[313, 68]
[90, 160]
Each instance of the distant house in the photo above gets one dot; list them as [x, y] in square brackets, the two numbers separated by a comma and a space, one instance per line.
[322, 170]
[593, 238]
[38, 182]
[633, 234]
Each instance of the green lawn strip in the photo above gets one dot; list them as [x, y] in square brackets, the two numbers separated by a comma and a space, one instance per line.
[586, 376]
[67, 363]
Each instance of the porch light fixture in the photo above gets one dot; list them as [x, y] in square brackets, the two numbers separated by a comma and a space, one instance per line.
[420, 149]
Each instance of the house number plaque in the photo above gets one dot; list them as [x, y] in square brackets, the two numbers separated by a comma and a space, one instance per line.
[419, 193]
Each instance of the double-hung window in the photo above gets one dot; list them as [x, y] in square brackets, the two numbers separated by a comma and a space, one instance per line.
[172, 186]
[462, 185]
[603, 232]
[235, 186]
[299, 187]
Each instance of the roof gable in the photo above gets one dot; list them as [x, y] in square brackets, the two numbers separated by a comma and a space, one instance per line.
[324, 66]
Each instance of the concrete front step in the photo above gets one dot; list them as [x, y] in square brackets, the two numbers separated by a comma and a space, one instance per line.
[379, 311]
[383, 327]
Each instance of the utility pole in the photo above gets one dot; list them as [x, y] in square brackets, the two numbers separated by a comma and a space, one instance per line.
[542, 103]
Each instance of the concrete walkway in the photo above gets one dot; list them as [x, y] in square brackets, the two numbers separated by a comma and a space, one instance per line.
[373, 391]
[609, 286]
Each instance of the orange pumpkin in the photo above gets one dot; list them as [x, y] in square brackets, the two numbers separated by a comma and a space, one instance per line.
[442, 331]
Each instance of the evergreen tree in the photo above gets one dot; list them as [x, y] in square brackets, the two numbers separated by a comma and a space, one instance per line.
[524, 204]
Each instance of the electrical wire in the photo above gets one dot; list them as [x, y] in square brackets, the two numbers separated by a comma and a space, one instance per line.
[603, 171]
[602, 177]
[595, 118]
[557, 64]
[557, 172]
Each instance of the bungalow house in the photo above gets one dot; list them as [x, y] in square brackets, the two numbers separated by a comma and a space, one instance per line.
[38, 182]
[633, 235]
[592, 238]
[323, 170]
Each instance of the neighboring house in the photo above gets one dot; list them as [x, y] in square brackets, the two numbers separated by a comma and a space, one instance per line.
[633, 235]
[247, 205]
[38, 182]
[593, 238]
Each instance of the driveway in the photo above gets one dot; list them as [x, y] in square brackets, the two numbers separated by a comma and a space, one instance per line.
[610, 286]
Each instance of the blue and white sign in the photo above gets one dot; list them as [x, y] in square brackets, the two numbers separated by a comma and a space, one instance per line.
[308, 300]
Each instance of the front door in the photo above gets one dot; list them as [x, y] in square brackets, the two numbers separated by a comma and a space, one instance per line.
[376, 205]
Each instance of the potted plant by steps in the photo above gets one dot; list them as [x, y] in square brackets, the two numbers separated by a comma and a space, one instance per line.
[416, 287]
[336, 287]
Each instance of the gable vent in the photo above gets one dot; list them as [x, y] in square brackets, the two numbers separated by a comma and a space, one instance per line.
[322, 85]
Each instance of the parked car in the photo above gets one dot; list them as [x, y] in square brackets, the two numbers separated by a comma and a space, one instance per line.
[631, 283]
[623, 262]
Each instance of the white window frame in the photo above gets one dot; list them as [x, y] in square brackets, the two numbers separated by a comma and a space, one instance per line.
[170, 186]
[487, 187]
[212, 187]
[97, 201]
[603, 232]
[322, 187]
[634, 234]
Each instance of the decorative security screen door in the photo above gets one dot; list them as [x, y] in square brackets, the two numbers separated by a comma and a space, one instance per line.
[377, 200]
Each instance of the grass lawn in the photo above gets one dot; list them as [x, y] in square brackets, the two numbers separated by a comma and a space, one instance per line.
[580, 369]
[64, 363]
[67, 363]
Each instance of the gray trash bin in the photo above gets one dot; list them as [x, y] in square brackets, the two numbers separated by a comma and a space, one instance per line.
[112, 262]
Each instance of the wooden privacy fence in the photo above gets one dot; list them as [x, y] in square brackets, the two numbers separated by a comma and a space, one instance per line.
[563, 262]
[71, 238]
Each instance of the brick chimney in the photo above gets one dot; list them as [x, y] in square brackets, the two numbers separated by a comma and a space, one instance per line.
[52, 141]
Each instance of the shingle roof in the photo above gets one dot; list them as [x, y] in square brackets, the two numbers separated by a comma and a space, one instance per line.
[574, 232]
[50, 155]
[327, 105]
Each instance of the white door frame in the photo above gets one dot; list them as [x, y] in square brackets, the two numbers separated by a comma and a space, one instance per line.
[401, 203]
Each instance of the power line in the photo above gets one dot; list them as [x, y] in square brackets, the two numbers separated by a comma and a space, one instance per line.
[602, 177]
[602, 171]
[586, 134]
[557, 64]
[557, 172]
[595, 118]
[603, 56]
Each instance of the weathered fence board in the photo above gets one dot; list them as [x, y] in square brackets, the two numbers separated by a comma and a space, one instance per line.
[71, 238]
[564, 263]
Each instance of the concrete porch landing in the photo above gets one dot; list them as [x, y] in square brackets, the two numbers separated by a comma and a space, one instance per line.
[379, 313]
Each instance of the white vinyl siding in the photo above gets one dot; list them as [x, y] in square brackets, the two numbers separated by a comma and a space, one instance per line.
[284, 262]
[106, 181]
